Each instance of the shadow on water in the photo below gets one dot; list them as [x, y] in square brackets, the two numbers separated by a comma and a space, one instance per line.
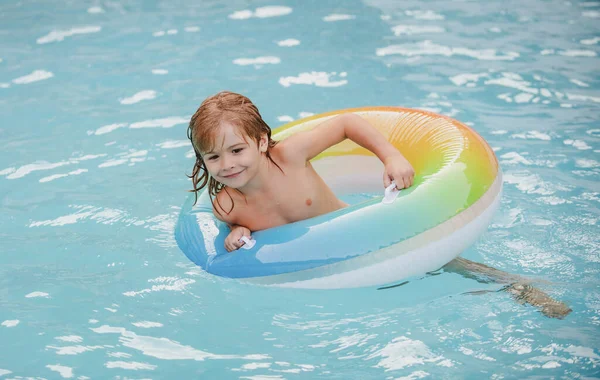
[520, 288]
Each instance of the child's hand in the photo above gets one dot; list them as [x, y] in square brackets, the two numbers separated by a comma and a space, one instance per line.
[232, 241]
[397, 168]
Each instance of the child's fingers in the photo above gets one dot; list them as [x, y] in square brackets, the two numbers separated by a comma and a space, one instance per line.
[386, 180]
[401, 183]
[231, 245]
[406, 181]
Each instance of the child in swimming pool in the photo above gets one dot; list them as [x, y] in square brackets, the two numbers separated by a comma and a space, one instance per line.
[257, 183]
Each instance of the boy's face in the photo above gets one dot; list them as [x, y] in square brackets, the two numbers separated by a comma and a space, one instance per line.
[234, 160]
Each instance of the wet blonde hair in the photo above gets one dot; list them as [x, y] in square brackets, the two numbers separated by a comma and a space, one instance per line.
[228, 107]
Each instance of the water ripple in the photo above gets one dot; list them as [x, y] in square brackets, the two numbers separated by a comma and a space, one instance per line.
[60, 35]
[428, 47]
[261, 12]
[319, 79]
[166, 349]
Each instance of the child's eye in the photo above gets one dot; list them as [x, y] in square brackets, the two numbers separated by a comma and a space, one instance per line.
[237, 150]
[212, 158]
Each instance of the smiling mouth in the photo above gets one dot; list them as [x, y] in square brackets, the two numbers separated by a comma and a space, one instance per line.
[232, 175]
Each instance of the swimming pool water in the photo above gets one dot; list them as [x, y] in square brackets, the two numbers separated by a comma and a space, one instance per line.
[95, 98]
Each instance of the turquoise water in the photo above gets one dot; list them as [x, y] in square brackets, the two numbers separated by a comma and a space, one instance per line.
[95, 98]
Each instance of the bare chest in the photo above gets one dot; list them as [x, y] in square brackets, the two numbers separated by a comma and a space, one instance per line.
[297, 194]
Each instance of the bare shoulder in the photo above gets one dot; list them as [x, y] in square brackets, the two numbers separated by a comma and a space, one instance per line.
[285, 152]
[223, 205]
[292, 150]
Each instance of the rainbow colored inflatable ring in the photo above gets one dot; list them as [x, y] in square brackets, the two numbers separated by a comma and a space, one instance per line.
[456, 190]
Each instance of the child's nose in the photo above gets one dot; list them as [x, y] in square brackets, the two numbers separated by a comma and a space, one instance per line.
[226, 162]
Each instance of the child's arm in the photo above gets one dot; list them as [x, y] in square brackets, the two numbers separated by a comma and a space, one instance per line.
[224, 202]
[306, 145]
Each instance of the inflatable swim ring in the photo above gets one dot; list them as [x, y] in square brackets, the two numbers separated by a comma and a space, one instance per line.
[456, 190]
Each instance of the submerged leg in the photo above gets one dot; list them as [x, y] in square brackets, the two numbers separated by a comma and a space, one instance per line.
[518, 286]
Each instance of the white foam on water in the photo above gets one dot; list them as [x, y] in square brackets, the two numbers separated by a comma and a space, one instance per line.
[403, 352]
[587, 163]
[70, 338]
[261, 12]
[511, 81]
[578, 144]
[257, 61]
[241, 15]
[138, 97]
[109, 128]
[590, 41]
[578, 53]
[551, 364]
[513, 158]
[65, 372]
[95, 10]
[533, 259]
[338, 17]
[160, 71]
[289, 42]
[60, 35]
[130, 365]
[579, 83]
[74, 350]
[553, 200]
[529, 183]
[167, 122]
[272, 11]
[285, 118]
[35, 76]
[52, 177]
[177, 285]
[166, 349]
[10, 323]
[171, 144]
[409, 30]
[252, 366]
[97, 214]
[478, 355]
[37, 295]
[57, 176]
[584, 98]
[29, 168]
[523, 97]
[113, 162]
[147, 324]
[118, 355]
[319, 79]
[430, 48]
[532, 135]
